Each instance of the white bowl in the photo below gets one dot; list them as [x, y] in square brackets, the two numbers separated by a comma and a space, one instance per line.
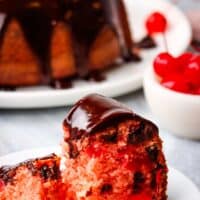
[177, 112]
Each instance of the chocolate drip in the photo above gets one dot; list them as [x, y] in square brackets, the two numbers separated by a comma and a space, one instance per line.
[37, 28]
[95, 76]
[7, 88]
[62, 83]
[12, 7]
[36, 21]
[86, 18]
[95, 111]
[119, 21]
[7, 173]
[146, 43]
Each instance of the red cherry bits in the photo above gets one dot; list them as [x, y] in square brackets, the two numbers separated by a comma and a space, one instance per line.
[180, 74]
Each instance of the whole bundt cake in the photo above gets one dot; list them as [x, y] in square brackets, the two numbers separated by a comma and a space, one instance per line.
[51, 41]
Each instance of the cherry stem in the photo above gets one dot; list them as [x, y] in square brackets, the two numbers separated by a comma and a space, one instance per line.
[165, 42]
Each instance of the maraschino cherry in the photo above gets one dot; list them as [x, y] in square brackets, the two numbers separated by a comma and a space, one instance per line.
[184, 59]
[180, 74]
[192, 71]
[156, 23]
[176, 83]
[164, 64]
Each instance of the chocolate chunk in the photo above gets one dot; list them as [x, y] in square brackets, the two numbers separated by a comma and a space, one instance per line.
[160, 166]
[50, 172]
[145, 131]
[7, 173]
[149, 130]
[110, 138]
[153, 179]
[138, 179]
[89, 193]
[73, 151]
[153, 153]
[136, 136]
[106, 188]
[45, 172]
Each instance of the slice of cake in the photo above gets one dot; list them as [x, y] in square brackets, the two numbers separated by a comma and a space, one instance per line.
[112, 153]
[38, 179]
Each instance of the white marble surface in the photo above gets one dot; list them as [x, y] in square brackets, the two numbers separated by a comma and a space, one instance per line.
[21, 129]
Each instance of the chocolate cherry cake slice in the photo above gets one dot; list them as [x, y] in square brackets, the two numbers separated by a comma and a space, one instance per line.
[112, 153]
[38, 179]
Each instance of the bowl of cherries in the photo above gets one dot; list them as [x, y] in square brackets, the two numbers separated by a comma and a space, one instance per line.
[172, 89]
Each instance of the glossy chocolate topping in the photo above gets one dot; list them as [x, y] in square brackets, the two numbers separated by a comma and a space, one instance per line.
[95, 111]
[85, 18]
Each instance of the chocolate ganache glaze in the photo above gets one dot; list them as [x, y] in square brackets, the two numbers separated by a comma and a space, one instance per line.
[95, 111]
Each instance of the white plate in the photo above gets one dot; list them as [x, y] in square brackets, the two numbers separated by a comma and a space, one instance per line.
[121, 80]
[179, 186]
